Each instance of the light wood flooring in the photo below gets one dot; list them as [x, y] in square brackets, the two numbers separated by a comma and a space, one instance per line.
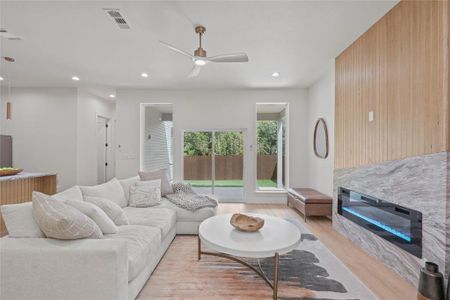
[172, 280]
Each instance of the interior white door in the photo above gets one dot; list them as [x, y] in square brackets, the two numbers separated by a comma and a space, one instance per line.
[102, 149]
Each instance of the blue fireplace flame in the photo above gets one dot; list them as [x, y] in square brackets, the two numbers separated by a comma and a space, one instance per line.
[379, 224]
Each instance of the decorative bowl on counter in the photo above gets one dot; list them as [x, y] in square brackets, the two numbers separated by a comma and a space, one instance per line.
[9, 171]
[246, 223]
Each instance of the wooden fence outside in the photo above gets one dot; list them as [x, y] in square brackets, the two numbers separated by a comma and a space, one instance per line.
[227, 167]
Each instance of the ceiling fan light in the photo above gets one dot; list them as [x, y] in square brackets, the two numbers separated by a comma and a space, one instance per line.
[200, 62]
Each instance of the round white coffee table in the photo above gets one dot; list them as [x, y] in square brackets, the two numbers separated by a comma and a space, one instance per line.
[277, 237]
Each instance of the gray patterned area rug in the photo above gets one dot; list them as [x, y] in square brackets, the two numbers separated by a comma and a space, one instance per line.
[313, 267]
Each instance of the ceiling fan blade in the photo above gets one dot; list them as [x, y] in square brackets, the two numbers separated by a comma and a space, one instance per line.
[175, 49]
[229, 58]
[195, 71]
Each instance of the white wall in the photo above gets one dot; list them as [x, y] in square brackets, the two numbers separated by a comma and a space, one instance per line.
[88, 107]
[321, 105]
[43, 127]
[216, 109]
[54, 131]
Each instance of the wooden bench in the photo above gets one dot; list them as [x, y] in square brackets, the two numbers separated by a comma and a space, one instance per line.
[310, 202]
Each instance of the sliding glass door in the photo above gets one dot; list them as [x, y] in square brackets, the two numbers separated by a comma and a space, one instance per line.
[214, 163]
[198, 160]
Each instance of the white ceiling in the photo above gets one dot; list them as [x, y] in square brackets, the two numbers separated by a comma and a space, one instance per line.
[298, 39]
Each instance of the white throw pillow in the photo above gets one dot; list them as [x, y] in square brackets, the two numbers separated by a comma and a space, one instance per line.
[145, 194]
[112, 190]
[94, 212]
[19, 221]
[112, 210]
[61, 221]
[166, 187]
[127, 183]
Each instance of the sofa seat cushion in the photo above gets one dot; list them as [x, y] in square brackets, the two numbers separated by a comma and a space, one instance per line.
[162, 218]
[142, 242]
[184, 215]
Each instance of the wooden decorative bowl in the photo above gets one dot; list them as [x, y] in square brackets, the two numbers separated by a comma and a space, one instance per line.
[246, 223]
[10, 172]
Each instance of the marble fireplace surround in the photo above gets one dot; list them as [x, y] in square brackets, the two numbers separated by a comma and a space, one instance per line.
[420, 183]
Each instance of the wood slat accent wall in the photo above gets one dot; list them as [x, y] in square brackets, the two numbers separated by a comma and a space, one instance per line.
[18, 191]
[447, 20]
[399, 70]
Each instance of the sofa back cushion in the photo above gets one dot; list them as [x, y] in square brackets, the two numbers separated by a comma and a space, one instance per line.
[97, 215]
[73, 193]
[111, 190]
[112, 210]
[61, 221]
[19, 221]
[166, 187]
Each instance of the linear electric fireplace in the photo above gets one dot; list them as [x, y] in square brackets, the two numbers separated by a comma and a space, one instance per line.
[397, 224]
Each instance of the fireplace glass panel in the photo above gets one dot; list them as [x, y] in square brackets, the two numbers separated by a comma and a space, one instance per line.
[399, 225]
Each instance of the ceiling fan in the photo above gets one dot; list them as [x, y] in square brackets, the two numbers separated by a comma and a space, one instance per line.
[200, 59]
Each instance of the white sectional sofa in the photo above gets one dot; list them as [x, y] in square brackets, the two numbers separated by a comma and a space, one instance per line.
[116, 267]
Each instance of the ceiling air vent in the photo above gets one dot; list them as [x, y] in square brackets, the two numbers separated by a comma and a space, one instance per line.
[117, 17]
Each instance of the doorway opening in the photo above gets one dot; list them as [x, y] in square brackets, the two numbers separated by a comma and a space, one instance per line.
[157, 137]
[214, 163]
[272, 146]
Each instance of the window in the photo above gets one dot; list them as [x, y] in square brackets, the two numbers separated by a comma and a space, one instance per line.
[271, 162]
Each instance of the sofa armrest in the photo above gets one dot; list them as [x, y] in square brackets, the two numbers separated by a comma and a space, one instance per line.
[53, 269]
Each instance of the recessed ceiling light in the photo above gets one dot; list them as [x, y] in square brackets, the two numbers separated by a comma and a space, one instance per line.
[112, 96]
[145, 75]
[275, 74]
[1, 78]
[75, 78]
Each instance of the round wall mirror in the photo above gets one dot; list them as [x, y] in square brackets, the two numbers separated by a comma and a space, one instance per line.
[321, 139]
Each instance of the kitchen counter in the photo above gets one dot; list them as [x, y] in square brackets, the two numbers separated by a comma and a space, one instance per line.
[18, 189]
[24, 175]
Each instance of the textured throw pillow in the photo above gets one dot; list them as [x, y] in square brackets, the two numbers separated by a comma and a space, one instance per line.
[112, 210]
[182, 187]
[19, 221]
[112, 190]
[145, 194]
[97, 215]
[60, 221]
[166, 187]
[127, 183]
